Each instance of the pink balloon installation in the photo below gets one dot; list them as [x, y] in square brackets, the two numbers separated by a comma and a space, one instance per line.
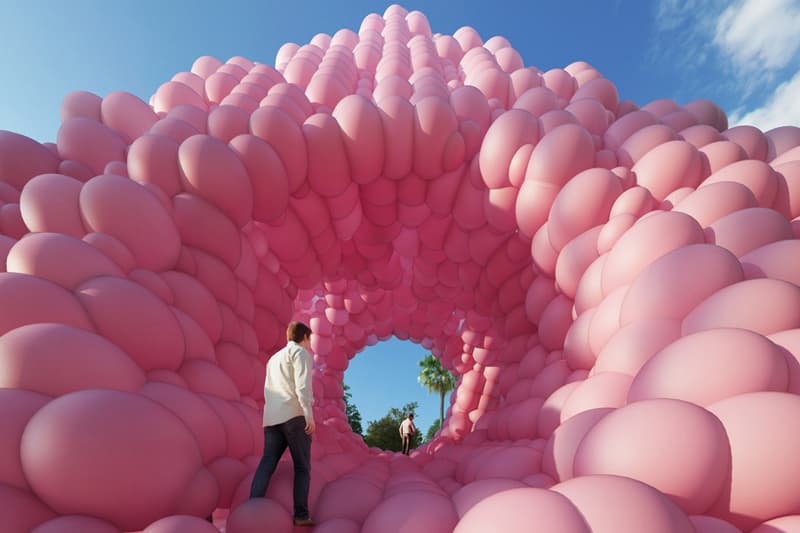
[600, 277]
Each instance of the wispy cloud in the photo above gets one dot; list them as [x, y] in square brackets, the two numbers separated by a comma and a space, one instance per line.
[759, 36]
[781, 109]
[750, 48]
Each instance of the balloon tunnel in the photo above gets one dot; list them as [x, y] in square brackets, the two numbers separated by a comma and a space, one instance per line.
[616, 288]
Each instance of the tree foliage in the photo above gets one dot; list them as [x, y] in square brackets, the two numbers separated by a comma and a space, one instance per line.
[436, 378]
[384, 433]
[432, 430]
[353, 416]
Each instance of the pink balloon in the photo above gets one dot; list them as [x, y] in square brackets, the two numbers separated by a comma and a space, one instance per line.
[709, 524]
[735, 361]
[655, 294]
[761, 487]
[473, 493]
[584, 202]
[779, 525]
[65, 260]
[28, 300]
[131, 437]
[28, 511]
[161, 347]
[81, 104]
[251, 516]
[431, 511]
[616, 504]
[606, 389]
[349, 498]
[523, 509]
[178, 523]
[55, 359]
[127, 211]
[747, 229]
[725, 308]
[198, 416]
[757, 176]
[669, 166]
[127, 114]
[694, 472]
[17, 407]
[674, 230]
[203, 160]
[76, 524]
[90, 142]
[634, 344]
[49, 202]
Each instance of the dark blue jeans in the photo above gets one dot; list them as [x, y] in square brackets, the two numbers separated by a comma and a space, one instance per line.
[276, 439]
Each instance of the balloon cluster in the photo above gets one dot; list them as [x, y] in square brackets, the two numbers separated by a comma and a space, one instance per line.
[615, 287]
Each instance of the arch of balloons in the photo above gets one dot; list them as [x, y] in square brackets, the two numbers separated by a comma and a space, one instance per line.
[616, 288]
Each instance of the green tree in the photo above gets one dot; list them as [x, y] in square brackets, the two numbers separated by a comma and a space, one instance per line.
[436, 378]
[384, 433]
[432, 430]
[353, 416]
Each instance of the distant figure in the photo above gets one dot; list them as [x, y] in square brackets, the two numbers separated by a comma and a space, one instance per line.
[288, 419]
[407, 429]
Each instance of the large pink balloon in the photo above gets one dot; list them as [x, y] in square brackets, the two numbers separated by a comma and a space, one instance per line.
[55, 359]
[76, 524]
[629, 442]
[252, 515]
[178, 523]
[614, 504]
[75, 448]
[763, 472]
[524, 509]
[734, 361]
[125, 210]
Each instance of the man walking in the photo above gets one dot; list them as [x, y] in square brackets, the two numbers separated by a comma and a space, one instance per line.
[407, 430]
[288, 418]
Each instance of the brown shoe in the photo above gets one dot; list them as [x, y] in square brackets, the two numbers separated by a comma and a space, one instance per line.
[304, 522]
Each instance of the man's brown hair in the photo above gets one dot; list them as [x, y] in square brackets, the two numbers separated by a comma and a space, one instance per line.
[297, 332]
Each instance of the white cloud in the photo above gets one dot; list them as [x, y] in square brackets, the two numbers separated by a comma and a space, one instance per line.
[759, 36]
[781, 109]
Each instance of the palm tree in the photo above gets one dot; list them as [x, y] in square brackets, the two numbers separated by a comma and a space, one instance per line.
[436, 378]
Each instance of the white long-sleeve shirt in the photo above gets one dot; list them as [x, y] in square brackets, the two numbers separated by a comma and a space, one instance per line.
[287, 388]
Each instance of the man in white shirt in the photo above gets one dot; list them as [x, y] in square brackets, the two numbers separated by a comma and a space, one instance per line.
[407, 429]
[288, 418]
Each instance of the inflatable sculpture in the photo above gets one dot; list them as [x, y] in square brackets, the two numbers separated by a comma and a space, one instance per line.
[616, 287]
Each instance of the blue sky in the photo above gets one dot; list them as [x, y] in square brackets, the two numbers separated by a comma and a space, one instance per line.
[743, 54]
